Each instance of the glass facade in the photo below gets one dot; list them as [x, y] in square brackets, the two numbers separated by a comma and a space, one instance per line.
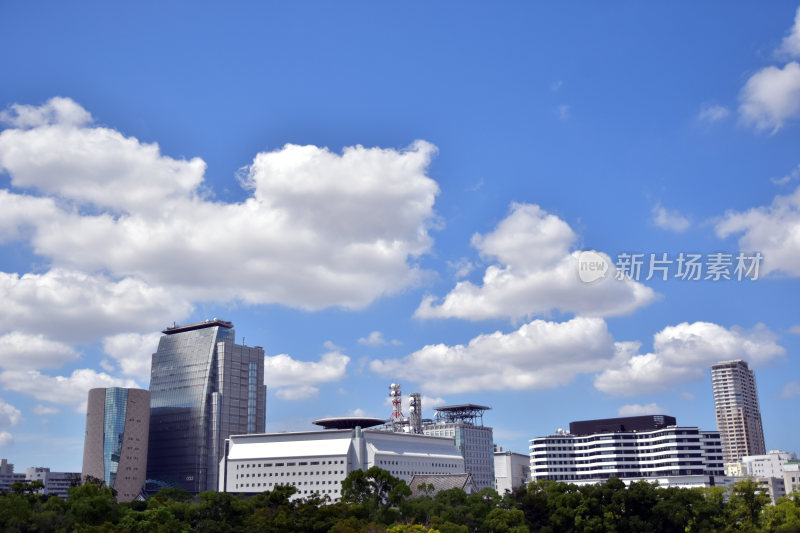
[198, 375]
[116, 402]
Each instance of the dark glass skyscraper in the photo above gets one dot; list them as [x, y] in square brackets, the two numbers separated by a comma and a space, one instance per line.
[204, 387]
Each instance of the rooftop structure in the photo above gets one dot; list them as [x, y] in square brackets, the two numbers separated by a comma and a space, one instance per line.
[465, 412]
[349, 422]
[627, 423]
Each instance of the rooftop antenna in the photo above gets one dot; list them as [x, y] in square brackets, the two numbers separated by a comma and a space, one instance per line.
[396, 395]
[415, 413]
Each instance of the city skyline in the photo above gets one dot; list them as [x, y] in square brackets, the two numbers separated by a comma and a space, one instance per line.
[436, 195]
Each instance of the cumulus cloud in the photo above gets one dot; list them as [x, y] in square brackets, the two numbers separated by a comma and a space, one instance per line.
[295, 380]
[132, 352]
[319, 229]
[773, 230]
[538, 355]
[669, 220]
[791, 389]
[58, 110]
[63, 390]
[795, 330]
[636, 409]
[74, 306]
[713, 113]
[771, 97]
[790, 46]
[9, 415]
[20, 351]
[684, 353]
[6, 439]
[536, 274]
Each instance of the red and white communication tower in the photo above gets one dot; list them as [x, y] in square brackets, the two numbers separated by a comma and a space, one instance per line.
[396, 394]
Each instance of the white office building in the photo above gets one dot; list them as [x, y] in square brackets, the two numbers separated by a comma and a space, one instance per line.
[791, 477]
[654, 451]
[767, 465]
[511, 470]
[316, 462]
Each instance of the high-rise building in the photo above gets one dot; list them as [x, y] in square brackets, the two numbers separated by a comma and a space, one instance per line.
[204, 388]
[464, 423]
[115, 447]
[737, 412]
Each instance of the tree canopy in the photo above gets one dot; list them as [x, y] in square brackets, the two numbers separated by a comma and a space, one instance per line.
[375, 501]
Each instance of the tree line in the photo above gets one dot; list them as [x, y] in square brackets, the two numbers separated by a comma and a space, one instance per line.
[374, 501]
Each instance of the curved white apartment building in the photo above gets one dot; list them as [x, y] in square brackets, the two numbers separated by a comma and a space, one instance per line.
[672, 455]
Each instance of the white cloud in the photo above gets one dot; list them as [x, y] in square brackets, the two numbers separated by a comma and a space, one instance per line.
[538, 355]
[562, 112]
[58, 110]
[771, 97]
[357, 412]
[74, 306]
[9, 415]
[536, 274]
[712, 113]
[297, 393]
[19, 351]
[6, 439]
[773, 230]
[790, 390]
[684, 353]
[320, 229]
[670, 220]
[43, 410]
[294, 380]
[637, 409]
[63, 390]
[462, 267]
[375, 338]
[795, 330]
[790, 46]
[133, 352]
[791, 176]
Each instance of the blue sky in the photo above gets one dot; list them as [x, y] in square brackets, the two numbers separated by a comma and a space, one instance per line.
[375, 192]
